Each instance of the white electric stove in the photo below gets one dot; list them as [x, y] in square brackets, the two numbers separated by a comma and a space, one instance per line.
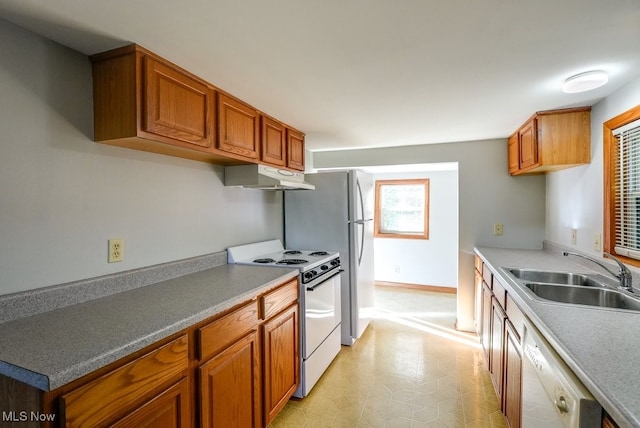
[320, 290]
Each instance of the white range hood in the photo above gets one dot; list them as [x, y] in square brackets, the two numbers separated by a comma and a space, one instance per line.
[265, 177]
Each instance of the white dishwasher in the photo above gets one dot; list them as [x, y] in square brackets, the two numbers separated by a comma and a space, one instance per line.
[552, 395]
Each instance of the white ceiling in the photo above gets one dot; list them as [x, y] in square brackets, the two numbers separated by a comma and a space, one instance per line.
[366, 73]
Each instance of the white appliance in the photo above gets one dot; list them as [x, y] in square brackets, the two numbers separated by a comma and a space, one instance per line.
[338, 216]
[552, 395]
[320, 287]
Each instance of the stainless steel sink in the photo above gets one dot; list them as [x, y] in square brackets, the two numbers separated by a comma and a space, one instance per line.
[602, 297]
[575, 288]
[567, 278]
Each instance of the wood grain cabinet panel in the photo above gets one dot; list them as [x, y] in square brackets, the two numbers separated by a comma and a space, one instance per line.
[485, 336]
[550, 141]
[528, 141]
[513, 151]
[274, 142]
[497, 346]
[281, 361]
[170, 409]
[99, 401]
[279, 299]
[238, 128]
[230, 389]
[176, 106]
[512, 389]
[225, 330]
[295, 149]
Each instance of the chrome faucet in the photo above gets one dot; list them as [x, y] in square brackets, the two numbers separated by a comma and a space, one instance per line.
[624, 275]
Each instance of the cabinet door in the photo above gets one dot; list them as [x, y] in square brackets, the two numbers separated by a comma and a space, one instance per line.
[477, 293]
[104, 399]
[230, 391]
[273, 142]
[238, 127]
[512, 377]
[497, 346]
[176, 106]
[513, 150]
[169, 409]
[528, 141]
[485, 327]
[295, 150]
[281, 361]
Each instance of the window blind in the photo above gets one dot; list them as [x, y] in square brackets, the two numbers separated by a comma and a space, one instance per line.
[627, 190]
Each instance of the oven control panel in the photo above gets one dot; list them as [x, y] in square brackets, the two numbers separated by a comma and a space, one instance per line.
[320, 270]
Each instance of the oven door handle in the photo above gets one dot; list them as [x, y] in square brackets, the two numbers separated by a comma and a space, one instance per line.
[325, 280]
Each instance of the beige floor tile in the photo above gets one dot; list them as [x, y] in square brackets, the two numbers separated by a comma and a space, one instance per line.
[411, 369]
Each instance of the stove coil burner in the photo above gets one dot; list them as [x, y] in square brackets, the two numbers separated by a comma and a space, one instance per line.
[292, 252]
[291, 261]
[264, 261]
[319, 253]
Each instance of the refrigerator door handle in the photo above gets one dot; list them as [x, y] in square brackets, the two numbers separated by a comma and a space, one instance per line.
[366, 220]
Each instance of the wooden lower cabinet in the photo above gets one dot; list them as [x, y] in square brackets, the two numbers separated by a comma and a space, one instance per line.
[281, 361]
[497, 345]
[230, 389]
[126, 391]
[485, 326]
[246, 382]
[170, 409]
[237, 369]
[501, 344]
[512, 389]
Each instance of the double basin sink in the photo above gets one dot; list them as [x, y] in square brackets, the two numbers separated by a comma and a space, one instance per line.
[576, 288]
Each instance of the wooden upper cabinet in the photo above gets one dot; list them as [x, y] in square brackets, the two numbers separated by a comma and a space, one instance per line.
[550, 141]
[144, 102]
[528, 140]
[238, 128]
[274, 142]
[175, 105]
[295, 149]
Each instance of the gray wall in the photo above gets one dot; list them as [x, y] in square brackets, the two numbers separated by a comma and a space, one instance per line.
[575, 195]
[62, 196]
[487, 195]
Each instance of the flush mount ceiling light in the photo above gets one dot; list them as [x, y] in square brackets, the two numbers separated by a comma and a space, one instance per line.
[585, 81]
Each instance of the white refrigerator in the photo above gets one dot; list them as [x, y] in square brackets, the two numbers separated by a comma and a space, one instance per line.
[338, 216]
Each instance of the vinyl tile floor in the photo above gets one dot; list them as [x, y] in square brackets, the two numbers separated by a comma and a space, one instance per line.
[411, 368]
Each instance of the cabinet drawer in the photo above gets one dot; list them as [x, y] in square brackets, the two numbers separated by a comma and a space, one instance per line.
[500, 292]
[486, 275]
[478, 263]
[275, 301]
[220, 333]
[96, 402]
[515, 315]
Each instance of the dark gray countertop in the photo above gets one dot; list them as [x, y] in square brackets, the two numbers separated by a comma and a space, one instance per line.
[601, 346]
[53, 348]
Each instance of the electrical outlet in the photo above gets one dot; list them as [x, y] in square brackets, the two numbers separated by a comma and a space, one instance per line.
[116, 250]
[397, 269]
[497, 229]
[597, 243]
[574, 236]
